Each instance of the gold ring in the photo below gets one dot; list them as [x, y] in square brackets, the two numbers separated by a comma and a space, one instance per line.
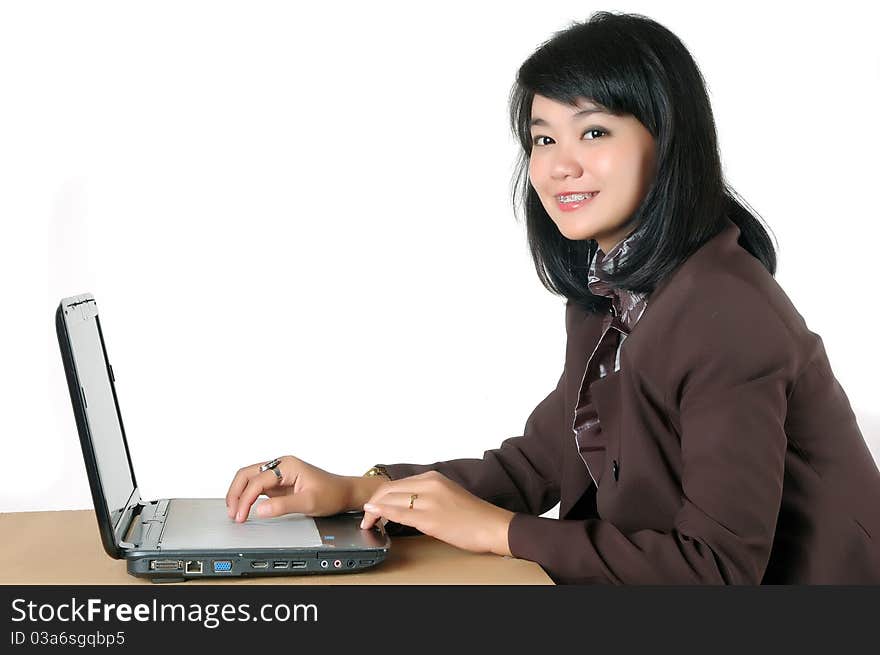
[412, 499]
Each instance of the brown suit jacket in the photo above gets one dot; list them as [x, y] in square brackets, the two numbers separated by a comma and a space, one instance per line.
[738, 457]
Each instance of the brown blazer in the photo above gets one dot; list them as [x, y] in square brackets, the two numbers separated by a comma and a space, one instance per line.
[738, 457]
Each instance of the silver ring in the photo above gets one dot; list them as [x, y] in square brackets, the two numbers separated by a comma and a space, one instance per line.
[270, 465]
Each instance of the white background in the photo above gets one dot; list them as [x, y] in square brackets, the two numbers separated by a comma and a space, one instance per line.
[295, 218]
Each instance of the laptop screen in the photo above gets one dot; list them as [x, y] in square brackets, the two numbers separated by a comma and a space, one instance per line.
[105, 427]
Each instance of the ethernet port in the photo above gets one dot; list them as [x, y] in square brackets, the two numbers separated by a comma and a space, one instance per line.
[193, 567]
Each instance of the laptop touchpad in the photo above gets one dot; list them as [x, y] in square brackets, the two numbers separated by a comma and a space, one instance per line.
[203, 523]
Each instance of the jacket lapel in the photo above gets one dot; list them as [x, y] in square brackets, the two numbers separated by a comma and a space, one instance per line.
[576, 480]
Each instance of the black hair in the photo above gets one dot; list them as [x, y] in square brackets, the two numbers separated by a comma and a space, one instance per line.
[629, 64]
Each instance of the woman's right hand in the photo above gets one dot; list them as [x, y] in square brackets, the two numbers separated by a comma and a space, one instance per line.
[303, 488]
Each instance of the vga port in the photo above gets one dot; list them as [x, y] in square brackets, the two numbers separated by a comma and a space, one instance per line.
[222, 565]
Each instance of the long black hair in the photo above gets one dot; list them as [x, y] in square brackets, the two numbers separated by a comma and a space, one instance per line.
[629, 64]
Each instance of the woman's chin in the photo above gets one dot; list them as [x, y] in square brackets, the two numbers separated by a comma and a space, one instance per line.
[574, 234]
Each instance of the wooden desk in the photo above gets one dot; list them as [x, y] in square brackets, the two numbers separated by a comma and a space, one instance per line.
[43, 548]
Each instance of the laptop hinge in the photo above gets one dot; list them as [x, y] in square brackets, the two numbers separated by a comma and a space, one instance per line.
[127, 519]
[145, 528]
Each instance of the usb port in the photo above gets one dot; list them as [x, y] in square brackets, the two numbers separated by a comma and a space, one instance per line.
[260, 564]
[297, 565]
[280, 565]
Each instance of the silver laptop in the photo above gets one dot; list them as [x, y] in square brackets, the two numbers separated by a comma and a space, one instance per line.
[173, 539]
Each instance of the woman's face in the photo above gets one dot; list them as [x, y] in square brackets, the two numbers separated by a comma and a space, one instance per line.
[574, 151]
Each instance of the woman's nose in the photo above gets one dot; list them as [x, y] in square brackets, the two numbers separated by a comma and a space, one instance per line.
[565, 164]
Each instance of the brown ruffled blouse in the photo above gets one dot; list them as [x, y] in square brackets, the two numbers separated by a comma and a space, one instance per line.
[627, 309]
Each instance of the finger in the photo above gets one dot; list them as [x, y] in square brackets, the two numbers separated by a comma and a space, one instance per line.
[369, 520]
[402, 486]
[239, 482]
[382, 494]
[402, 515]
[301, 502]
[373, 510]
[255, 486]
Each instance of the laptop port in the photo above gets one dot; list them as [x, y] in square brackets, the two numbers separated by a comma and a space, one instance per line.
[324, 564]
[193, 567]
[337, 563]
[166, 565]
[298, 565]
[260, 564]
[280, 565]
[350, 563]
[222, 565]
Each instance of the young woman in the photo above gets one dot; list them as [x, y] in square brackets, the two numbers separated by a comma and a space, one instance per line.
[697, 433]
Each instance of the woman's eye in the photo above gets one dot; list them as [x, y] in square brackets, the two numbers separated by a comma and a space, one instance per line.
[537, 140]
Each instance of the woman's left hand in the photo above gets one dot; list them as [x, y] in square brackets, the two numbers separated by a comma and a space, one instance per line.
[443, 510]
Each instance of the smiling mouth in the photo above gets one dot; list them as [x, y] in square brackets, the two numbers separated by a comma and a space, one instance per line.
[575, 197]
[573, 201]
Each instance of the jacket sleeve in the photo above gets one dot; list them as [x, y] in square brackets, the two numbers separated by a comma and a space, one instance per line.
[522, 475]
[730, 395]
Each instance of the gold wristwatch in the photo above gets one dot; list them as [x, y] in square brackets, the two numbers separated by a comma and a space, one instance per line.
[377, 470]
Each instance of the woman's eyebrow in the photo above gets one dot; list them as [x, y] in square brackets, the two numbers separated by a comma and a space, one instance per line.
[575, 116]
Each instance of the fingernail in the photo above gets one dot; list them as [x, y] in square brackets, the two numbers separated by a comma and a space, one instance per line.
[362, 525]
[262, 511]
[370, 507]
[240, 516]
